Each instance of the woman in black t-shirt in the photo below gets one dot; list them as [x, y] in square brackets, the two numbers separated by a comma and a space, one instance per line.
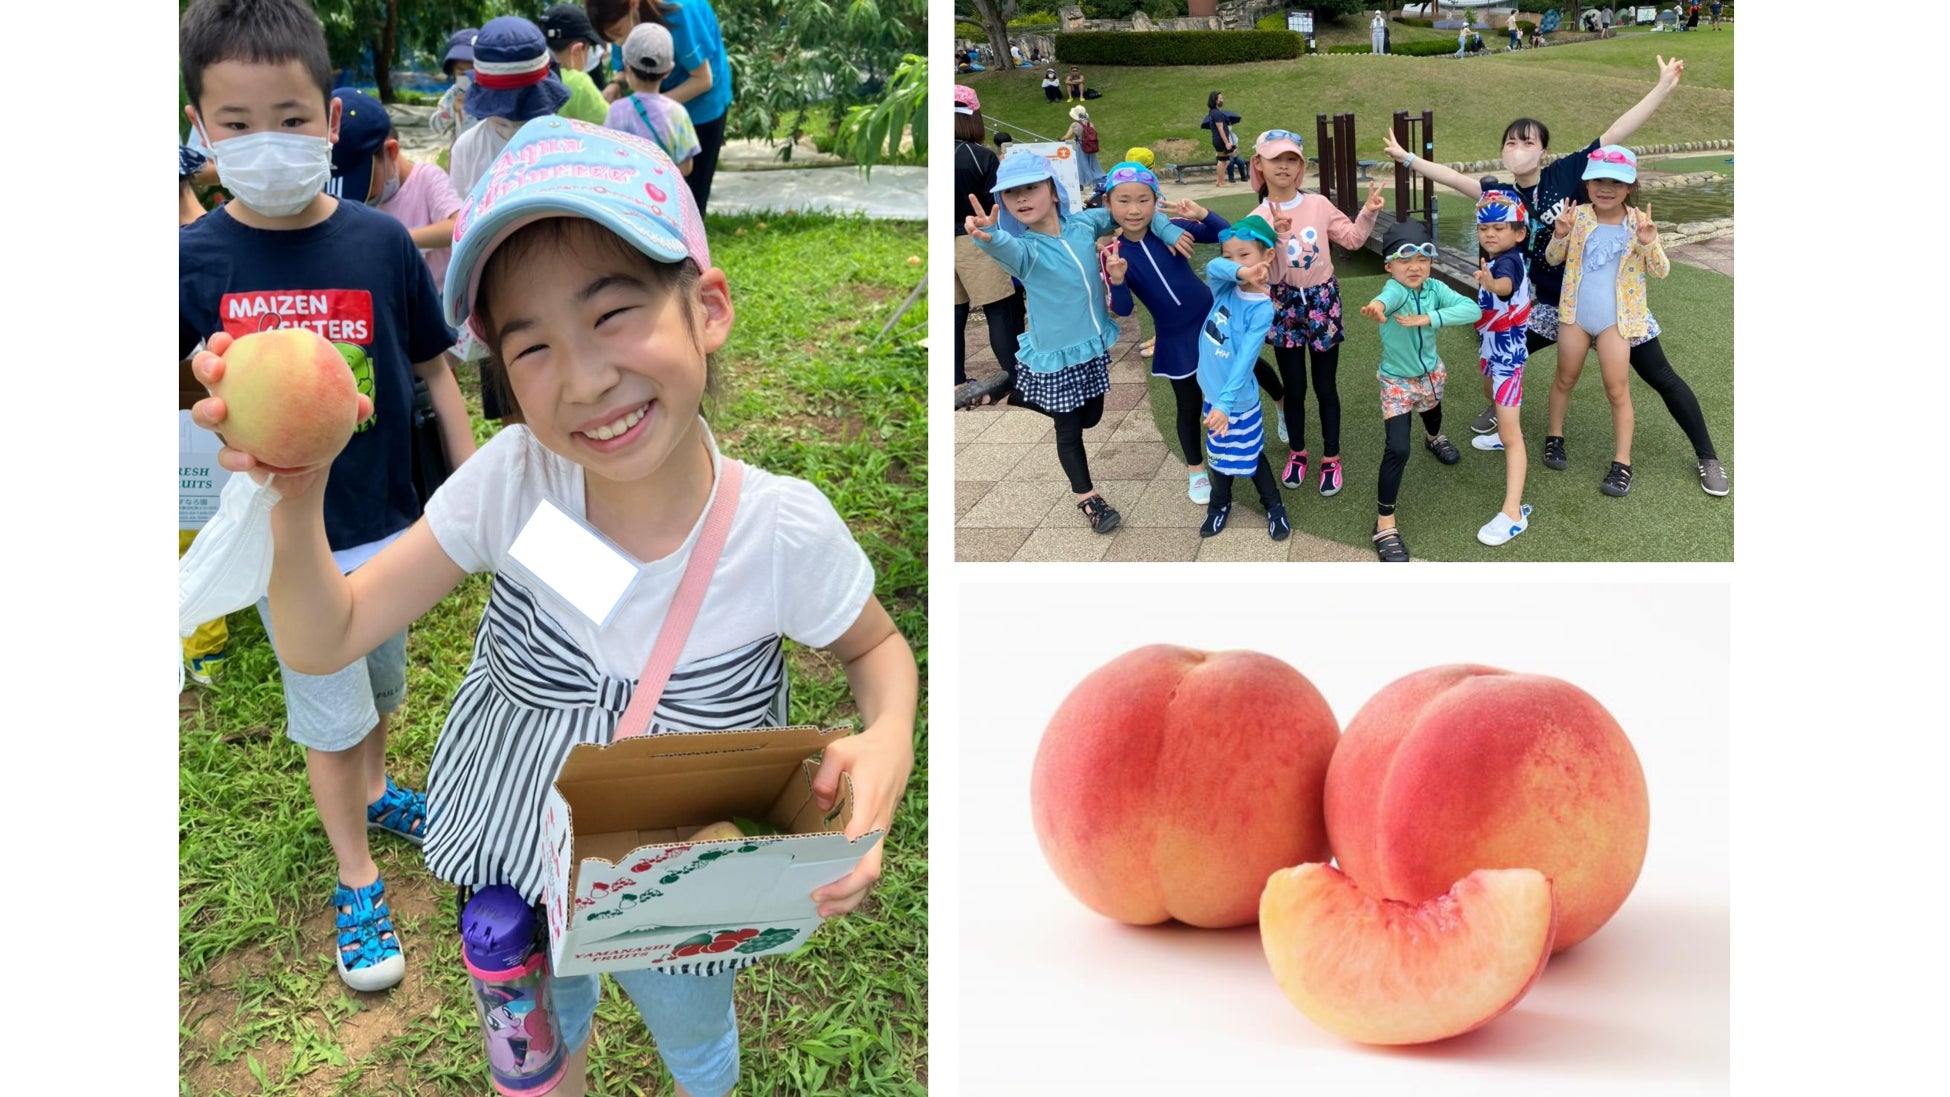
[1224, 144]
[1545, 191]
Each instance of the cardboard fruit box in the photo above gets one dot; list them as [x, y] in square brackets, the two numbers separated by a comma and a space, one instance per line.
[626, 891]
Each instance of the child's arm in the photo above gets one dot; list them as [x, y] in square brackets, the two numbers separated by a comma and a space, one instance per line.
[325, 620]
[886, 686]
[1645, 240]
[998, 244]
[1388, 300]
[1204, 225]
[1560, 245]
[1102, 223]
[1354, 234]
[433, 237]
[456, 432]
[1500, 287]
[1115, 267]
[1629, 122]
[1454, 180]
[1452, 308]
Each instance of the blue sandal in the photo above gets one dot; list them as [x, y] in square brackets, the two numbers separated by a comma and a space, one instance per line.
[369, 956]
[400, 811]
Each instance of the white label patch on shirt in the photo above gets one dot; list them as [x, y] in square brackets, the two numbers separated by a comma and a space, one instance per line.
[575, 562]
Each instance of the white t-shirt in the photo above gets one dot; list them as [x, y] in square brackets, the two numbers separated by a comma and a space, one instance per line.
[475, 151]
[789, 568]
[543, 678]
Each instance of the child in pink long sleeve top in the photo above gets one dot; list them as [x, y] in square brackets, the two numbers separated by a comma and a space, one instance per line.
[1306, 296]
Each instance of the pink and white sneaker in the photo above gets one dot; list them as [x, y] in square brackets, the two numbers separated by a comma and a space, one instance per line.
[1330, 476]
[1296, 470]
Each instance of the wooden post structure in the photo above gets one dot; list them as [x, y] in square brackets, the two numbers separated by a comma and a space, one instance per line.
[1324, 140]
[1346, 197]
[1423, 146]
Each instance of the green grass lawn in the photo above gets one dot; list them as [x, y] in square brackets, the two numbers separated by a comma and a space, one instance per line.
[262, 1008]
[1577, 89]
[1666, 516]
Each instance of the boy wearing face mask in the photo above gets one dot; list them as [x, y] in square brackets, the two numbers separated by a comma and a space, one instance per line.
[367, 166]
[286, 254]
[578, 51]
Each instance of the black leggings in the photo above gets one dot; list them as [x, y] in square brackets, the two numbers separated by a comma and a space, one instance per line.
[1070, 426]
[704, 166]
[1395, 458]
[1263, 482]
[1005, 320]
[1649, 361]
[1293, 373]
[1191, 431]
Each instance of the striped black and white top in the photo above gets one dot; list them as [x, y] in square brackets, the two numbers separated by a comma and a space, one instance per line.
[543, 678]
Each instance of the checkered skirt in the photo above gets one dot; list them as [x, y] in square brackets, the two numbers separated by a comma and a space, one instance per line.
[1066, 389]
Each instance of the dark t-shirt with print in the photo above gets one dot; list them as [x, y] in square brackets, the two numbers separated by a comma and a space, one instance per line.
[356, 279]
[1561, 181]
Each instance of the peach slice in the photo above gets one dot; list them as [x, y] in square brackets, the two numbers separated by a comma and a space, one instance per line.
[1382, 971]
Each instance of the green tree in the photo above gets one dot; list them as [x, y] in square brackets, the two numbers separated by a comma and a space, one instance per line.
[789, 57]
[872, 133]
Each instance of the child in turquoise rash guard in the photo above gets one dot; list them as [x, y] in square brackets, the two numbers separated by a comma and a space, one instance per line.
[1411, 308]
[1228, 346]
[1063, 359]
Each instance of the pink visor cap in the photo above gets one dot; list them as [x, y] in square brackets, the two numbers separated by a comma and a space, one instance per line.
[559, 167]
[1270, 144]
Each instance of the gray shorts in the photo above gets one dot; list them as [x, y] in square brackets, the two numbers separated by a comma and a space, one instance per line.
[335, 712]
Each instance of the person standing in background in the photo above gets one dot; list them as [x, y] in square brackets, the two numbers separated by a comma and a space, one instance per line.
[700, 79]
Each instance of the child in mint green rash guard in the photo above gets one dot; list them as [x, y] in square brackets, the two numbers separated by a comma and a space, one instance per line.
[1064, 358]
[1411, 308]
[1228, 346]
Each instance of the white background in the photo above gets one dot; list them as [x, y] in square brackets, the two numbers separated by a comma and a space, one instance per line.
[1090, 1005]
[1839, 757]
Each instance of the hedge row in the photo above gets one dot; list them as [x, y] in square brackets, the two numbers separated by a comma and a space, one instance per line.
[1177, 47]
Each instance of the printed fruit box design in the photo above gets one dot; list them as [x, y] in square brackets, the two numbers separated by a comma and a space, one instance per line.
[625, 891]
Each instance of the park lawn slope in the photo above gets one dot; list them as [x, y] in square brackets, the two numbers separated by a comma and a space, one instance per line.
[1577, 90]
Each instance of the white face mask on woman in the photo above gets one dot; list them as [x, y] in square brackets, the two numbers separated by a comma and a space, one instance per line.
[276, 174]
[593, 58]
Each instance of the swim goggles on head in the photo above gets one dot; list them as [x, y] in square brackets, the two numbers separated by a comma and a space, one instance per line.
[1245, 233]
[1613, 157]
[1280, 135]
[1410, 251]
[1131, 173]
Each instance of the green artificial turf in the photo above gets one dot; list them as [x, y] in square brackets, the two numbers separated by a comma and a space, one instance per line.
[1577, 89]
[805, 390]
[1440, 508]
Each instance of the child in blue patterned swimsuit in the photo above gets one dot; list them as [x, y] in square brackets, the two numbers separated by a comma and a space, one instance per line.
[581, 264]
[1064, 358]
[1241, 315]
[1503, 293]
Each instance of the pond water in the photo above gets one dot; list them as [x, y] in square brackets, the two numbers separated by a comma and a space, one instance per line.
[1679, 205]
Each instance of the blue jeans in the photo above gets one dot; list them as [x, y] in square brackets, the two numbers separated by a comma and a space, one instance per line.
[690, 1017]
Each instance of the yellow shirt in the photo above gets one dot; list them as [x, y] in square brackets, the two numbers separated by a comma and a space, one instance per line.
[1639, 260]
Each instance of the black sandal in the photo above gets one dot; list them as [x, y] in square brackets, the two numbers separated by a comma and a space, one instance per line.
[1617, 481]
[1388, 546]
[1102, 516]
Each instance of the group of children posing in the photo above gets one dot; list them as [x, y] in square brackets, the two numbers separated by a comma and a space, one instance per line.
[1275, 283]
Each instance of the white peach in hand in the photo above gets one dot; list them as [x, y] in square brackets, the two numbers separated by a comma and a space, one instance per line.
[290, 400]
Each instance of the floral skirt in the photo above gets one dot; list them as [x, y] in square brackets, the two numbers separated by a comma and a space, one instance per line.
[1307, 317]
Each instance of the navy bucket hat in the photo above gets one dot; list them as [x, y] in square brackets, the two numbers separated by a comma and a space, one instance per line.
[511, 72]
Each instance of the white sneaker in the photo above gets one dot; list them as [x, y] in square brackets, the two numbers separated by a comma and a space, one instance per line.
[1487, 441]
[1282, 424]
[1200, 488]
[1499, 530]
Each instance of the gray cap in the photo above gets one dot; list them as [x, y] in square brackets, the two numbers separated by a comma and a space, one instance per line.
[648, 49]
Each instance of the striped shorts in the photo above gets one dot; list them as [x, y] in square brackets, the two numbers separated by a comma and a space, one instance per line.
[1236, 454]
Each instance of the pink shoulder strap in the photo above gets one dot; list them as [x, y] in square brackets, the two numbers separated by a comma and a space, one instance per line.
[684, 605]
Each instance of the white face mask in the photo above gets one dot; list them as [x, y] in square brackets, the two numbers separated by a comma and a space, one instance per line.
[390, 188]
[593, 60]
[276, 174]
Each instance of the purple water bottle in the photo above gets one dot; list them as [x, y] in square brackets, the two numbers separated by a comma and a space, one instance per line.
[498, 930]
